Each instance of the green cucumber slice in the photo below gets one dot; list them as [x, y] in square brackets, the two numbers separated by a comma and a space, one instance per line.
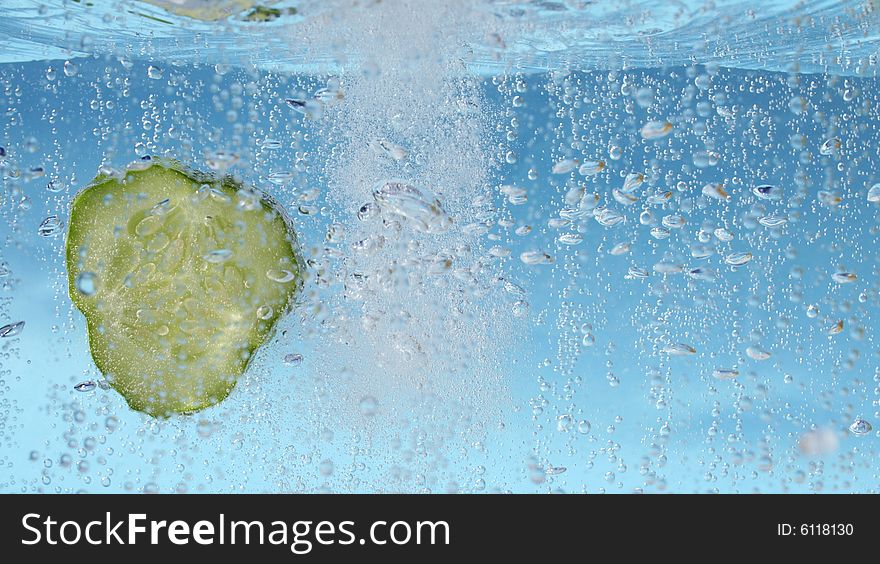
[181, 276]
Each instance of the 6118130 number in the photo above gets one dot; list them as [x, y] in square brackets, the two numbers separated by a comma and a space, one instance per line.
[815, 529]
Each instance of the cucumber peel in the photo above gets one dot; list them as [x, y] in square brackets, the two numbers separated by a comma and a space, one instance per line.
[181, 276]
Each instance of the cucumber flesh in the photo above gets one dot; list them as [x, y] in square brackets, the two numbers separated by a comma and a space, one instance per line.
[186, 277]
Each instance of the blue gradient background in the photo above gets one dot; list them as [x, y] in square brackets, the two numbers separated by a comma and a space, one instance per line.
[55, 439]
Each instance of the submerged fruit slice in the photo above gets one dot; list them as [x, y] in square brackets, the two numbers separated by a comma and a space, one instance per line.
[201, 10]
[216, 10]
[180, 276]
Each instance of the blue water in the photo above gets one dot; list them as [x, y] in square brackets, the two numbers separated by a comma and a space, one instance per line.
[611, 414]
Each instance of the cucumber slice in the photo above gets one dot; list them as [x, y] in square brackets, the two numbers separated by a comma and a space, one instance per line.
[207, 11]
[181, 277]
